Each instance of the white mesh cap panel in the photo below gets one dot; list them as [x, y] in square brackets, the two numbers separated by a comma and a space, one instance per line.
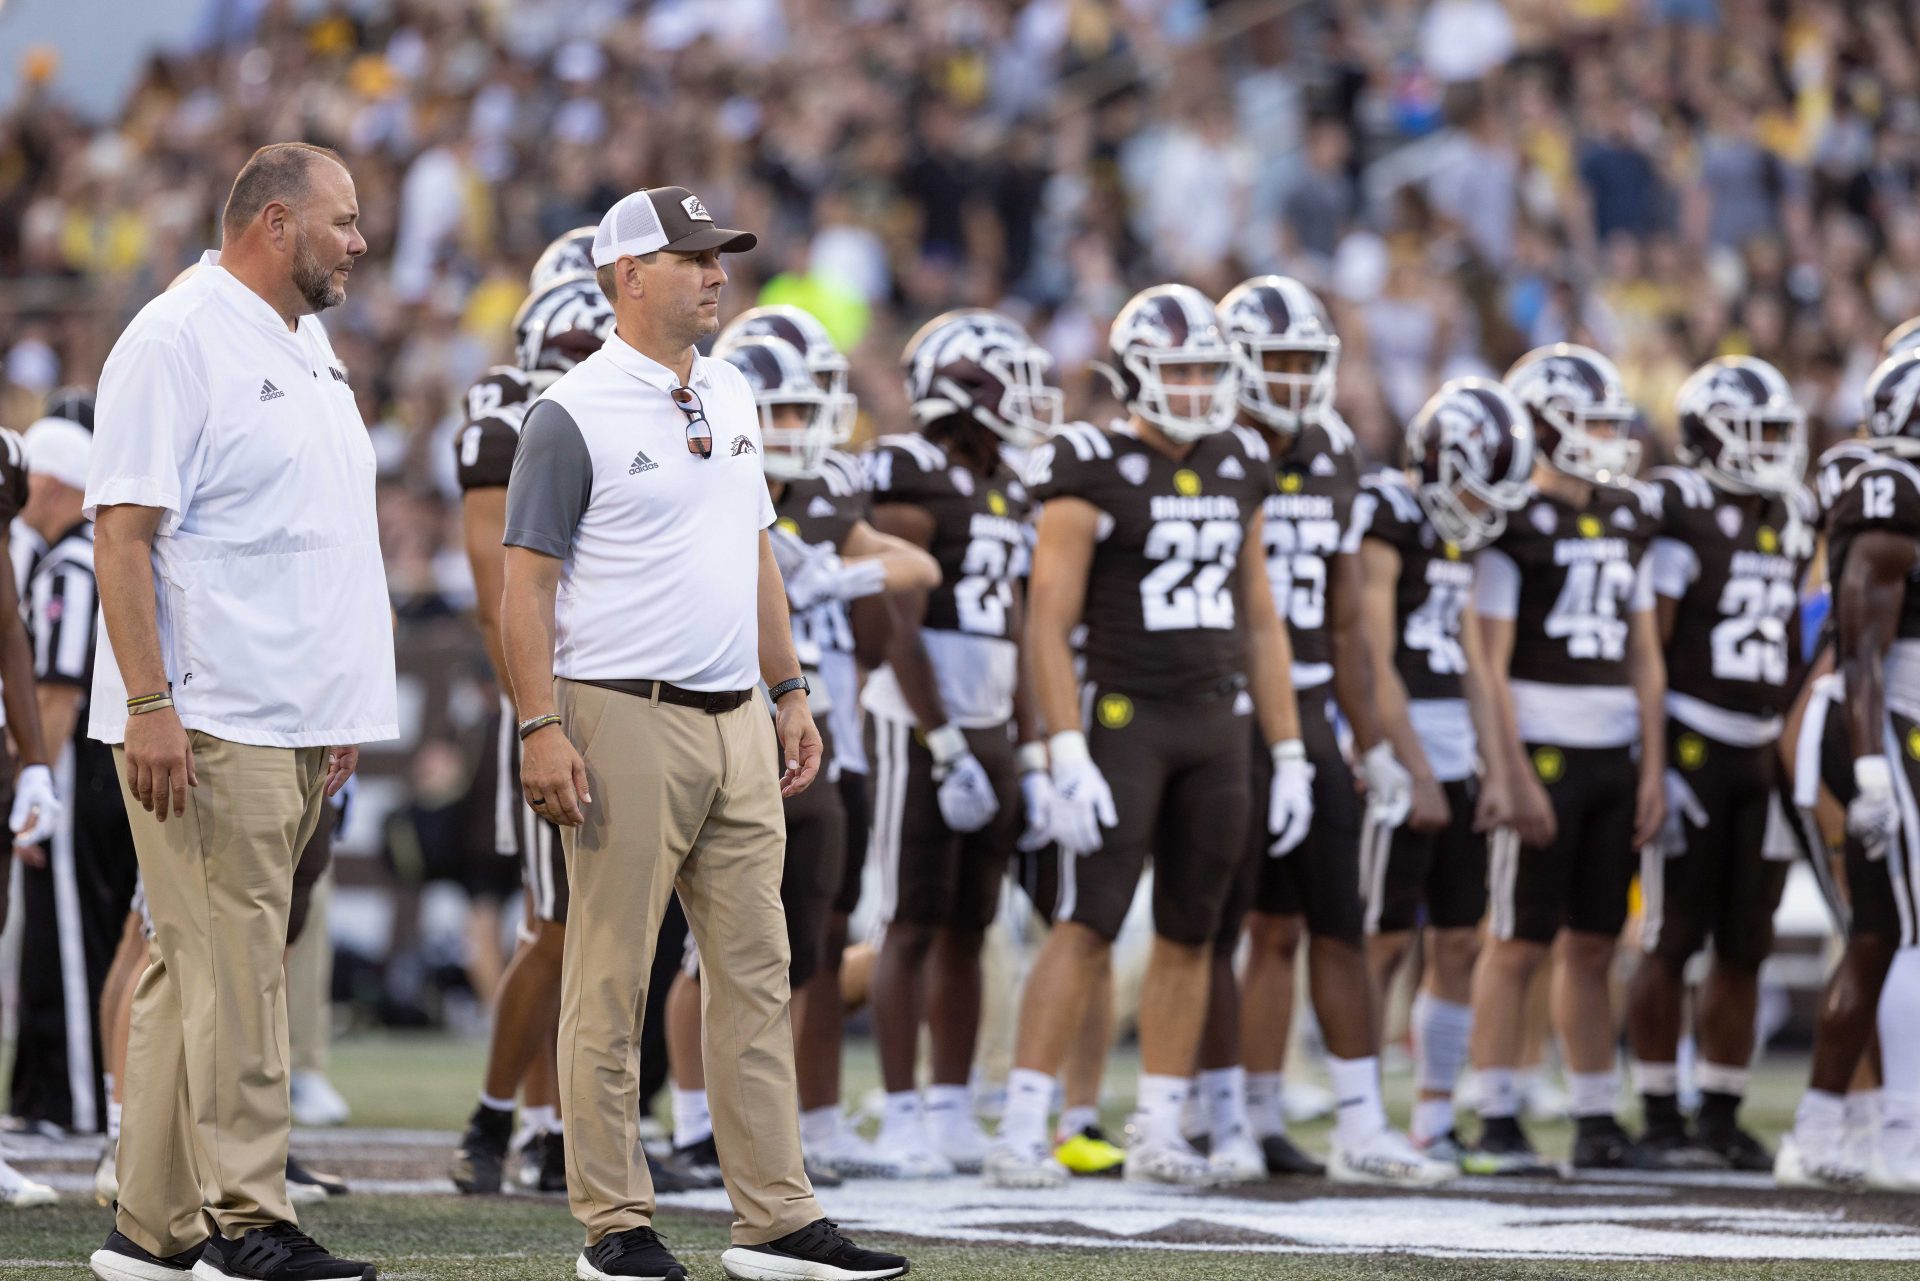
[630, 227]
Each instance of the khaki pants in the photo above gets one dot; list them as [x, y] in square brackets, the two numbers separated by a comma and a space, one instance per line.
[686, 800]
[205, 1122]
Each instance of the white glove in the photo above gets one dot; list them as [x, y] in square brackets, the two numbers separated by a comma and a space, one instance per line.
[1082, 801]
[967, 802]
[1036, 797]
[1872, 818]
[824, 576]
[1683, 807]
[1290, 802]
[1389, 785]
[790, 552]
[36, 806]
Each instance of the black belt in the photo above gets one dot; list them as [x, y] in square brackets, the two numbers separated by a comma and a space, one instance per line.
[711, 702]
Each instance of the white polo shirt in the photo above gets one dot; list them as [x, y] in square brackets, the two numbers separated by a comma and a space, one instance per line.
[275, 628]
[660, 547]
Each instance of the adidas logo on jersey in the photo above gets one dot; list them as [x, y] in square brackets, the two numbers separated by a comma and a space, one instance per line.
[820, 508]
[641, 463]
[269, 392]
[1231, 469]
[1321, 465]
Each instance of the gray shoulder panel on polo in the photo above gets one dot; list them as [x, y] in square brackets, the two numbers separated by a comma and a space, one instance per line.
[551, 482]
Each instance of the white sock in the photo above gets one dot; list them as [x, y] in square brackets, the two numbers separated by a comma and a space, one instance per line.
[113, 1121]
[1659, 1079]
[1718, 1078]
[541, 1120]
[1267, 1102]
[1075, 1120]
[1356, 1091]
[1499, 1090]
[1900, 1038]
[1159, 1100]
[1432, 1119]
[495, 1105]
[1592, 1093]
[1821, 1113]
[1029, 1099]
[691, 1120]
[902, 1113]
[1440, 1033]
[819, 1127]
[1193, 1114]
[1863, 1110]
[948, 1106]
[1223, 1092]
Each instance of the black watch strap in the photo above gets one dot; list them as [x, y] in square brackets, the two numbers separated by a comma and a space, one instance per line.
[787, 686]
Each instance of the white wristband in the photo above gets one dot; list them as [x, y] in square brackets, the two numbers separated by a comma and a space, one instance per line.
[1068, 747]
[1873, 774]
[1031, 757]
[1288, 749]
[946, 743]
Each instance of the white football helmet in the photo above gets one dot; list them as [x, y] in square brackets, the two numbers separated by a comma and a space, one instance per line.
[800, 329]
[782, 384]
[981, 365]
[1471, 447]
[1571, 390]
[1167, 327]
[1279, 315]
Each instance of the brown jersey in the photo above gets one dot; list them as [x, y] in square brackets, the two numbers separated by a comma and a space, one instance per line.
[1161, 612]
[1309, 522]
[1434, 589]
[1733, 566]
[821, 511]
[1882, 495]
[13, 475]
[496, 406]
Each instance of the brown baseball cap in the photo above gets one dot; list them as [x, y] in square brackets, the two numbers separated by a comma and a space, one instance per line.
[669, 218]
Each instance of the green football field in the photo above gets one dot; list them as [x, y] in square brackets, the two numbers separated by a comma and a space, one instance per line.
[410, 1093]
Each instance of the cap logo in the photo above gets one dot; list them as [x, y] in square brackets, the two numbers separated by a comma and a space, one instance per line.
[696, 210]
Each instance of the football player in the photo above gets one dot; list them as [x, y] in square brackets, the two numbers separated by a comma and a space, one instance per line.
[1469, 455]
[835, 626]
[1141, 537]
[1902, 338]
[570, 254]
[1735, 537]
[943, 711]
[1573, 659]
[556, 327]
[1286, 355]
[1858, 729]
[830, 556]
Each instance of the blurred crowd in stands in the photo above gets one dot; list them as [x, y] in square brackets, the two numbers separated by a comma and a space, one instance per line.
[1461, 179]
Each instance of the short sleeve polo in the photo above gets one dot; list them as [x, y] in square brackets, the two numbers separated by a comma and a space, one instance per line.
[660, 548]
[275, 629]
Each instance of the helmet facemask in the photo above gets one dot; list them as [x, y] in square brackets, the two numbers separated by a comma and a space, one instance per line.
[1604, 457]
[1763, 448]
[797, 427]
[1210, 403]
[1281, 398]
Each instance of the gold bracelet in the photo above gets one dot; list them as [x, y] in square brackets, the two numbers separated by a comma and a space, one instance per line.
[150, 706]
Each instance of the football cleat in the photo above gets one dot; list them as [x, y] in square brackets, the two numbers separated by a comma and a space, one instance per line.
[1504, 1150]
[1011, 1165]
[1818, 1163]
[1090, 1153]
[1237, 1159]
[1388, 1158]
[1167, 1159]
[1283, 1157]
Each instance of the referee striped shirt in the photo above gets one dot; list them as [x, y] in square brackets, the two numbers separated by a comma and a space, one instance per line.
[62, 606]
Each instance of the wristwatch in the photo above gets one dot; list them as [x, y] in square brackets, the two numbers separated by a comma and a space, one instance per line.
[787, 686]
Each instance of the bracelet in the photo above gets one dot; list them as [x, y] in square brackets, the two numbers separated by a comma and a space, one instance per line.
[149, 698]
[537, 723]
[150, 705]
[787, 686]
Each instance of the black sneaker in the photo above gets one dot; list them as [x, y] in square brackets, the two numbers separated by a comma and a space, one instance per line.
[1283, 1158]
[121, 1260]
[638, 1254]
[1602, 1144]
[698, 1163]
[331, 1184]
[1671, 1151]
[480, 1161]
[1504, 1149]
[667, 1179]
[1733, 1145]
[278, 1253]
[817, 1250]
[553, 1163]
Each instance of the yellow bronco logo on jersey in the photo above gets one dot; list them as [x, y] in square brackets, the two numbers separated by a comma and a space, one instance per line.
[996, 502]
[1589, 525]
[1691, 751]
[1186, 482]
[1114, 710]
[1290, 482]
[1549, 764]
[1913, 742]
[1767, 540]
